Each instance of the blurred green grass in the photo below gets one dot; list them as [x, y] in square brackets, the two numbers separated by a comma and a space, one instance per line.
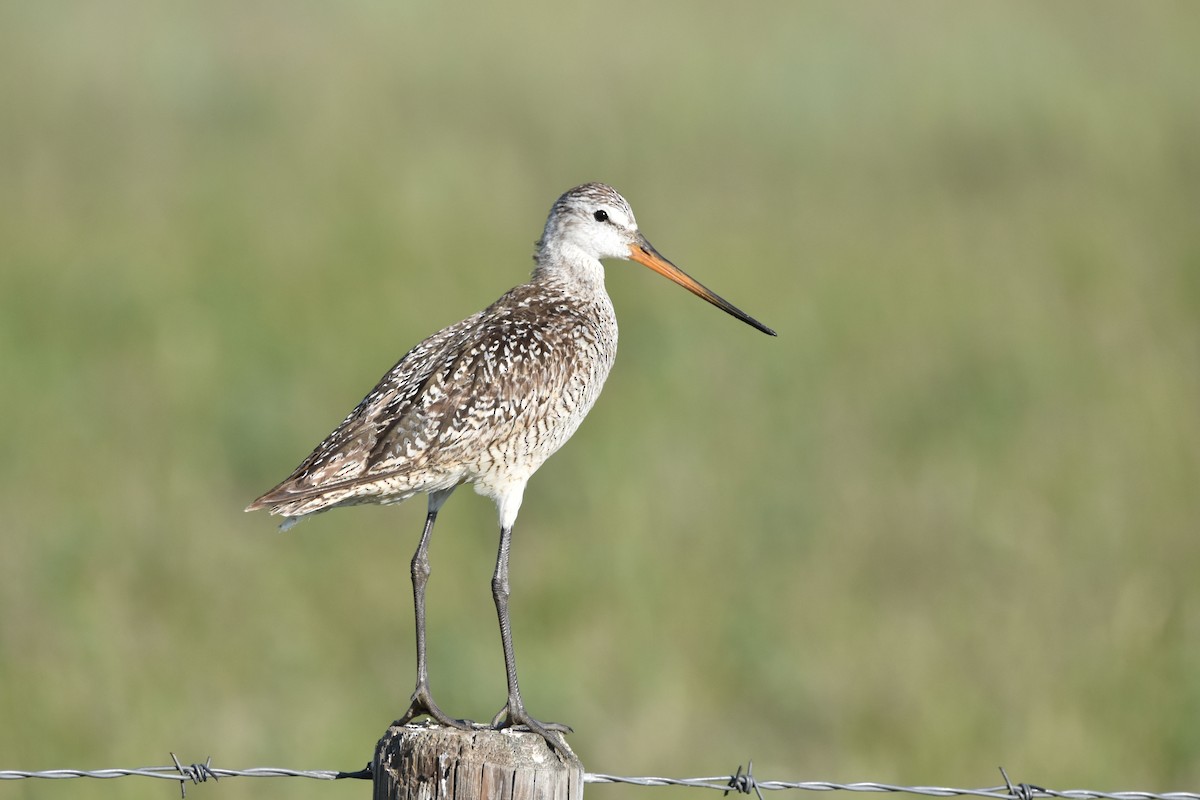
[947, 520]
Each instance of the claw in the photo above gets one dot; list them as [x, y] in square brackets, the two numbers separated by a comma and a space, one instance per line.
[552, 732]
[422, 704]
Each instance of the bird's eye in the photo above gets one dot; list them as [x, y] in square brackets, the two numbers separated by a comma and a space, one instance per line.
[601, 216]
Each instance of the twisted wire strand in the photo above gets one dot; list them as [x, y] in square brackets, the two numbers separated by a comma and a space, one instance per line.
[742, 782]
[723, 783]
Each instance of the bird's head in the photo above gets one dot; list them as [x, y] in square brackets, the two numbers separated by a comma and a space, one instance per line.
[593, 221]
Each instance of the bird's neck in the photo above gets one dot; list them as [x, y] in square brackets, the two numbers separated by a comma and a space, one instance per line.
[567, 265]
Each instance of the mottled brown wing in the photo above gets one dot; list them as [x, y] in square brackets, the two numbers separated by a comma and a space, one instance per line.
[452, 404]
[392, 412]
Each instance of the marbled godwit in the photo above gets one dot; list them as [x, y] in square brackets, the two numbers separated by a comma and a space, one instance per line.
[487, 401]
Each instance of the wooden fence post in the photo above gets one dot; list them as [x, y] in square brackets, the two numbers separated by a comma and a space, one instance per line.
[433, 762]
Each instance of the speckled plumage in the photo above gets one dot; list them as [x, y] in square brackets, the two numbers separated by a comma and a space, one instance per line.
[486, 402]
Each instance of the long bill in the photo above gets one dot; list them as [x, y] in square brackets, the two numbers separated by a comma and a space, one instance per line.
[644, 253]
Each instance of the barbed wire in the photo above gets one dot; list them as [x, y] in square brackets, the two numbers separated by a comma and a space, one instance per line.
[185, 773]
[740, 781]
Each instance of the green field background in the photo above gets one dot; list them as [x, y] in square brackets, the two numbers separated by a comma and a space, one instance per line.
[948, 520]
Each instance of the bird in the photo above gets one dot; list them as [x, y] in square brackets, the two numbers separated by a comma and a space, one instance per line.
[486, 401]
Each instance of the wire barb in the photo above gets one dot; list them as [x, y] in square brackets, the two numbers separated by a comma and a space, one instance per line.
[743, 782]
[196, 773]
[1021, 791]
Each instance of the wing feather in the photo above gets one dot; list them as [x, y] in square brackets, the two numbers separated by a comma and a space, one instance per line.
[493, 388]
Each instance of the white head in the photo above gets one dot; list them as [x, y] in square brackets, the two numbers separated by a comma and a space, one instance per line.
[593, 221]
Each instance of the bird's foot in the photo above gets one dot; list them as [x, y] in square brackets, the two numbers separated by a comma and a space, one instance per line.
[513, 715]
[422, 704]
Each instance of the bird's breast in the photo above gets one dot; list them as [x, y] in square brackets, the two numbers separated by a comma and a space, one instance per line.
[542, 372]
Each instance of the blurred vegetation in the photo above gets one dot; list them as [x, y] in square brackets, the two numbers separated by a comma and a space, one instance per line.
[947, 520]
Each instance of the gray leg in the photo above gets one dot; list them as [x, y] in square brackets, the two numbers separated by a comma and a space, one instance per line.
[514, 712]
[422, 700]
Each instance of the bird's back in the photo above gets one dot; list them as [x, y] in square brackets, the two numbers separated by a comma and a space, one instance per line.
[484, 401]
